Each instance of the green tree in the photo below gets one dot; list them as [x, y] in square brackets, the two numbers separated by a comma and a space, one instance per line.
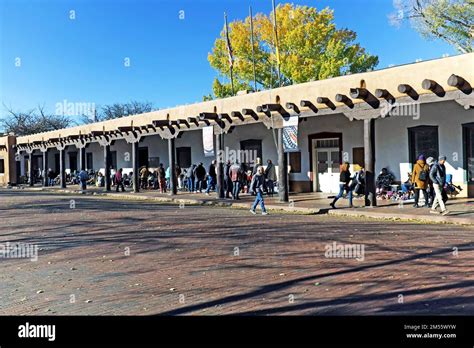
[448, 20]
[310, 46]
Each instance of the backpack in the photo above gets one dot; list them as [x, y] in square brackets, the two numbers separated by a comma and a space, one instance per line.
[423, 175]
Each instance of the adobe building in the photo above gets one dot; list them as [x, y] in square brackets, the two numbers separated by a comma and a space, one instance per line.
[378, 119]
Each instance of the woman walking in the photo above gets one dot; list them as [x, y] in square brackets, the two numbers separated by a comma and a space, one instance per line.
[344, 179]
[419, 178]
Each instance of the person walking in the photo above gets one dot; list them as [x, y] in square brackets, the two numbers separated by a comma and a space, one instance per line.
[430, 162]
[258, 186]
[419, 178]
[200, 173]
[344, 179]
[119, 180]
[162, 178]
[270, 177]
[227, 179]
[235, 176]
[211, 177]
[438, 177]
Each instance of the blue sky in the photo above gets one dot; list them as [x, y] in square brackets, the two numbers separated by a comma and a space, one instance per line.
[82, 60]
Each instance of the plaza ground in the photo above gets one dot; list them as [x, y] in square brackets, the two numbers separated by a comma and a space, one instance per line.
[99, 255]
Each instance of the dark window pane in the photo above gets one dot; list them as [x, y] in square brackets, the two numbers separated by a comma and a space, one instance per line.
[295, 162]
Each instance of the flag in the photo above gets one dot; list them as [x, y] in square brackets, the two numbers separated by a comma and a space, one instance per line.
[277, 50]
[229, 46]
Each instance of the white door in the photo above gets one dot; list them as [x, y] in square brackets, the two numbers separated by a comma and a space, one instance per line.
[326, 166]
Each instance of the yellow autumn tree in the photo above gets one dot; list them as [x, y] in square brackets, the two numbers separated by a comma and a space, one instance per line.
[310, 47]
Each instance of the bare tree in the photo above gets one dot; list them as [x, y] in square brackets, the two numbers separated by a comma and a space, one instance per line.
[32, 121]
[117, 110]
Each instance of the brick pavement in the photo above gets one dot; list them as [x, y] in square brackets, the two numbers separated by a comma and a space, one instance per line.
[184, 261]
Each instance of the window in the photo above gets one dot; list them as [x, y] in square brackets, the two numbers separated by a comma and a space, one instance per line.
[2, 166]
[89, 162]
[113, 159]
[253, 148]
[295, 162]
[423, 140]
[183, 157]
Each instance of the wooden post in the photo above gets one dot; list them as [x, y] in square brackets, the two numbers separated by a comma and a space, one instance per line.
[62, 166]
[171, 154]
[31, 175]
[369, 154]
[45, 166]
[107, 167]
[136, 174]
[220, 166]
[282, 169]
[82, 158]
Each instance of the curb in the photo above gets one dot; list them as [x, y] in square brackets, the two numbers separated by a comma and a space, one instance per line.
[411, 217]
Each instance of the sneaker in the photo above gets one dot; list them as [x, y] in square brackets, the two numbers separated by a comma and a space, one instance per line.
[264, 213]
[434, 211]
[445, 212]
[253, 211]
[332, 205]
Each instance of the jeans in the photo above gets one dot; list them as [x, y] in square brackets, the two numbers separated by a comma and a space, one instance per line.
[199, 185]
[438, 200]
[258, 200]
[83, 184]
[191, 184]
[270, 187]
[417, 196]
[50, 182]
[342, 187]
[235, 189]
[119, 185]
[211, 183]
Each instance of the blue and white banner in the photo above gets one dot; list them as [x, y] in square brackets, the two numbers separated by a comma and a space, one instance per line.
[208, 141]
[290, 134]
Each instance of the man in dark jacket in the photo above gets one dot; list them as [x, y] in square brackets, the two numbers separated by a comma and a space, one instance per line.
[258, 186]
[438, 177]
[200, 173]
[211, 177]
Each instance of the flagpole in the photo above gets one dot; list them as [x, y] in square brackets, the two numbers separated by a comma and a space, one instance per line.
[253, 50]
[230, 54]
[276, 43]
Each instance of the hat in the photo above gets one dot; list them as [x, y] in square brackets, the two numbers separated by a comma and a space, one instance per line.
[442, 158]
[430, 160]
[421, 157]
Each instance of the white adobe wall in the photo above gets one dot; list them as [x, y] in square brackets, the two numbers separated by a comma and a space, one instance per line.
[391, 136]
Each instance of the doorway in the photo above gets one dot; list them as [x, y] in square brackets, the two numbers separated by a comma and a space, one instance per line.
[468, 142]
[326, 155]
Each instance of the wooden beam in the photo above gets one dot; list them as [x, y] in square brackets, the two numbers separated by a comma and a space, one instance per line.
[237, 114]
[460, 83]
[342, 98]
[408, 90]
[327, 102]
[434, 87]
[250, 112]
[309, 105]
[292, 106]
